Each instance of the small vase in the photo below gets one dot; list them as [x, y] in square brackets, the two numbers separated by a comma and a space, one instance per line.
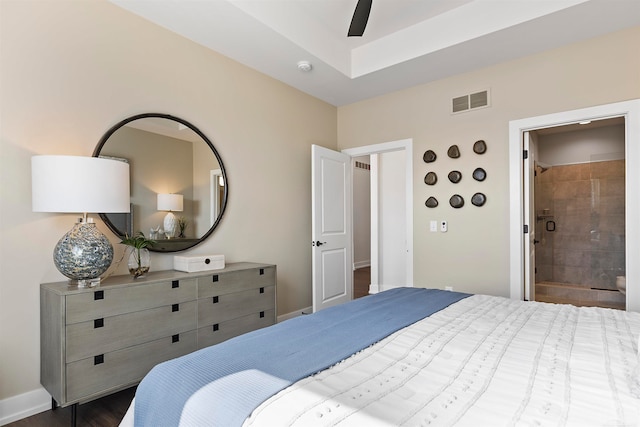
[139, 262]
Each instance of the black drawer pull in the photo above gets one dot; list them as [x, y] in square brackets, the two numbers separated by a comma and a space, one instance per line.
[215, 300]
[262, 290]
[175, 338]
[214, 278]
[262, 271]
[261, 314]
[216, 327]
[98, 359]
[98, 323]
[175, 307]
[98, 295]
[175, 284]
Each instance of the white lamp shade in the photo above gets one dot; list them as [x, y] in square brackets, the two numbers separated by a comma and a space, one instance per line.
[170, 202]
[79, 184]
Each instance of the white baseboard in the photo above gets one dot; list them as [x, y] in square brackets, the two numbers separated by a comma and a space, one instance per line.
[287, 316]
[374, 289]
[24, 405]
[361, 264]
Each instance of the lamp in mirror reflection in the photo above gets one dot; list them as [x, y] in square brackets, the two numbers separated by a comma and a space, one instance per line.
[76, 184]
[171, 203]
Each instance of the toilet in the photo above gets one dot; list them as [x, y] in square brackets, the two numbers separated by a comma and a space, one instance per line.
[621, 284]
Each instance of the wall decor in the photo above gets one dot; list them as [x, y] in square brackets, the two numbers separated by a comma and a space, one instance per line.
[429, 156]
[455, 176]
[480, 147]
[431, 202]
[453, 152]
[456, 201]
[430, 178]
[478, 199]
[479, 174]
[204, 198]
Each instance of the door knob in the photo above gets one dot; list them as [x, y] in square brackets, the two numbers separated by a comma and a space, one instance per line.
[318, 243]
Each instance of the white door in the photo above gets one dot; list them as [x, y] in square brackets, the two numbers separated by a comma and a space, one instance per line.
[332, 281]
[529, 217]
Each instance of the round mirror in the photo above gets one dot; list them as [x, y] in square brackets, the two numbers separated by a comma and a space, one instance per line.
[179, 186]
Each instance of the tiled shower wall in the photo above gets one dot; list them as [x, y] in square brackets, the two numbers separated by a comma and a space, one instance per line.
[586, 202]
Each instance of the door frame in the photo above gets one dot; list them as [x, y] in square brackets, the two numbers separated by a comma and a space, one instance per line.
[215, 190]
[529, 144]
[630, 110]
[405, 145]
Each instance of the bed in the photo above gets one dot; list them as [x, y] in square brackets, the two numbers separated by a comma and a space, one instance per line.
[410, 356]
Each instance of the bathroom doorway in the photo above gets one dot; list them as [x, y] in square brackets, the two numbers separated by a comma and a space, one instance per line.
[579, 211]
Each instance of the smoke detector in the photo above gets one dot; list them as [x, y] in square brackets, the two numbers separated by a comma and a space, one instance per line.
[304, 66]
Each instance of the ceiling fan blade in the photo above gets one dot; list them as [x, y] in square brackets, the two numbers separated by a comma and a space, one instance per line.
[360, 18]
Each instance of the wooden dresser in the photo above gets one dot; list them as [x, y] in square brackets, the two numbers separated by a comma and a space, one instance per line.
[96, 341]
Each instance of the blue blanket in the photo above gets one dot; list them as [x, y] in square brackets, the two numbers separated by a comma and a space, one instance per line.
[221, 385]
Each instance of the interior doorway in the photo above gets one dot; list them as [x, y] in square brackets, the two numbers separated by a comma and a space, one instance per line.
[578, 209]
[361, 196]
[520, 219]
[391, 196]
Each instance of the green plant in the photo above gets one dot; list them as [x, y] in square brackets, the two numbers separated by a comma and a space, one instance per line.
[138, 242]
[182, 226]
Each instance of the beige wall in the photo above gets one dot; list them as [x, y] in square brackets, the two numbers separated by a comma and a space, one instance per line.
[70, 71]
[473, 255]
[157, 164]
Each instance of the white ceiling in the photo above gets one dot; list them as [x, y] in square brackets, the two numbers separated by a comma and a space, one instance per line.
[406, 42]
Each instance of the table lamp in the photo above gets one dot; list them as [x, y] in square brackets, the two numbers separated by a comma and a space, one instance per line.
[82, 185]
[171, 203]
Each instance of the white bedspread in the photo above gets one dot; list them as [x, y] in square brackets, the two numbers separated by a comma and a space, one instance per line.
[484, 361]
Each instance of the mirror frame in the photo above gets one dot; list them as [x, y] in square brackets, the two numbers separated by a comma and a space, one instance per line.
[113, 129]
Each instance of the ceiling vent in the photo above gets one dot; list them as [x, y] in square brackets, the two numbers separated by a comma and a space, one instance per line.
[470, 102]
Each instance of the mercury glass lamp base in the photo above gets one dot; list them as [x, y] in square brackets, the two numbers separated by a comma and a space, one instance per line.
[83, 254]
[85, 283]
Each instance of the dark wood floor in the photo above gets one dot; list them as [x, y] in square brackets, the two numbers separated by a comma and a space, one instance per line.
[108, 411]
[105, 412]
[361, 281]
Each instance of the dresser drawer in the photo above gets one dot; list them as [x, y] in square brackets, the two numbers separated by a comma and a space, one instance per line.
[234, 281]
[107, 334]
[109, 371]
[126, 299]
[220, 308]
[219, 332]
[96, 341]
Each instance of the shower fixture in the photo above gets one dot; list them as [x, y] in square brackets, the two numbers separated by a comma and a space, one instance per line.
[541, 169]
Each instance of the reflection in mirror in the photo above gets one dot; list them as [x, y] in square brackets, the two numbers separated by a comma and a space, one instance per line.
[167, 155]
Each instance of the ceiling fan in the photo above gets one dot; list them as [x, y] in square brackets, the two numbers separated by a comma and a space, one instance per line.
[360, 18]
